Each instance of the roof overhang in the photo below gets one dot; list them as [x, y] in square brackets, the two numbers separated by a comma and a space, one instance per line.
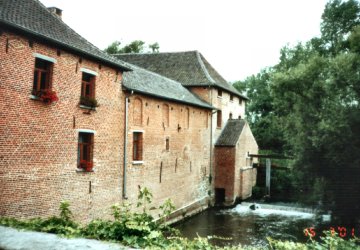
[41, 38]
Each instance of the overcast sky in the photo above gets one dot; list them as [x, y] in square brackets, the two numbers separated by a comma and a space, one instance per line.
[237, 37]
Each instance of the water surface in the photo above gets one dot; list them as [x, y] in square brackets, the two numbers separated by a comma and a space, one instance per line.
[248, 227]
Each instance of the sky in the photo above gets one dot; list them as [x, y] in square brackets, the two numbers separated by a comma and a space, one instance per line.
[237, 37]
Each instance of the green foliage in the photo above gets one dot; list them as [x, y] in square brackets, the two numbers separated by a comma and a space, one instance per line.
[65, 212]
[307, 106]
[62, 225]
[89, 101]
[136, 46]
[167, 208]
[260, 112]
[339, 18]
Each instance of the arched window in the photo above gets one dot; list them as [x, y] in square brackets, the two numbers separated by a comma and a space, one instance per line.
[137, 112]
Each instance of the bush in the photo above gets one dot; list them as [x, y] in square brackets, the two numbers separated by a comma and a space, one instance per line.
[141, 231]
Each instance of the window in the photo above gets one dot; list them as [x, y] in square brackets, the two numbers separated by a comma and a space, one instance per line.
[165, 114]
[219, 118]
[187, 118]
[42, 75]
[137, 112]
[219, 93]
[240, 101]
[230, 116]
[231, 97]
[167, 144]
[85, 151]
[137, 146]
[88, 85]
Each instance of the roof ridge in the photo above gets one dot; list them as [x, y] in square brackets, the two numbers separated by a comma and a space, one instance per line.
[204, 103]
[202, 65]
[155, 53]
[47, 27]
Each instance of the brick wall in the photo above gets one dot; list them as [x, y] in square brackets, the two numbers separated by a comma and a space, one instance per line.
[38, 143]
[224, 171]
[245, 174]
[182, 172]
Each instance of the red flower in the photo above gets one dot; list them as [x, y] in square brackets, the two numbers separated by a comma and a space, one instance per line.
[86, 165]
[47, 96]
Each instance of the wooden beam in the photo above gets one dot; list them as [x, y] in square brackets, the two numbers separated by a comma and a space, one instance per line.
[269, 156]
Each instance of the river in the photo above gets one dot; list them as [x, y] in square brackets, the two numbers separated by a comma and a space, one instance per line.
[244, 226]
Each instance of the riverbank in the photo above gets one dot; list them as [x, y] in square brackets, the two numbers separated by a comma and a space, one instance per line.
[14, 239]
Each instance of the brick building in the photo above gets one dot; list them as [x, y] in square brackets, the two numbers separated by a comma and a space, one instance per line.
[77, 124]
[234, 175]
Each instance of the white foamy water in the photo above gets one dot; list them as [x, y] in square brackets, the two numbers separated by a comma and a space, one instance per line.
[245, 210]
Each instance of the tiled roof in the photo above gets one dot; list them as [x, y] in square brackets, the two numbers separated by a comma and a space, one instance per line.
[149, 83]
[33, 18]
[231, 133]
[190, 68]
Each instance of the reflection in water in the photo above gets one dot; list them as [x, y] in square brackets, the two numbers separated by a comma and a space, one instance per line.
[248, 227]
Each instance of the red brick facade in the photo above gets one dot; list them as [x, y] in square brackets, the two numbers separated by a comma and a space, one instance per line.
[39, 141]
[180, 173]
[233, 168]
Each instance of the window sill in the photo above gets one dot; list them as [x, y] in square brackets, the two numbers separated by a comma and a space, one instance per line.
[220, 97]
[34, 97]
[81, 170]
[137, 162]
[87, 107]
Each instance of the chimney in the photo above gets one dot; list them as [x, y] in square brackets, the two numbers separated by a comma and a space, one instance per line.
[56, 11]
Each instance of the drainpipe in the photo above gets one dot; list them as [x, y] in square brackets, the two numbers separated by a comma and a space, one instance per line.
[211, 140]
[125, 146]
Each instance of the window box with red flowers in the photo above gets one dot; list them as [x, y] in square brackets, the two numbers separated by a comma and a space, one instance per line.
[86, 166]
[47, 96]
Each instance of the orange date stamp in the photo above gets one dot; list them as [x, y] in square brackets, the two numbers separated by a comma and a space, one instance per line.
[341, 231]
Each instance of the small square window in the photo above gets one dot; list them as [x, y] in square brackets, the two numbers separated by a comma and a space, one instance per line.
[231, 97]
[85, 151]
[42, 75]
[137, 146]
[240, 101]
[219, 92]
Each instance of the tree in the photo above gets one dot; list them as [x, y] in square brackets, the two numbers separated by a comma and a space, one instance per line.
[259, 110]
[339, 19]
[313, 97]
[136, 46]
